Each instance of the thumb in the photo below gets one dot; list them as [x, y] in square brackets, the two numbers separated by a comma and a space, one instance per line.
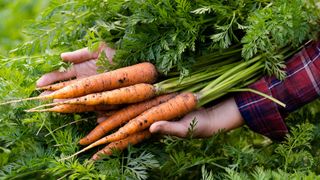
[78, 56]
[175, 128]
[55, 76]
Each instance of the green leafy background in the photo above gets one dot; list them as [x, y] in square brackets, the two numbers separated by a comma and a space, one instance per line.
[30, 147]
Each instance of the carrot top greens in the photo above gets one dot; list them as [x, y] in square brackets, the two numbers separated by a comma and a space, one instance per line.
[174, 35]
[170, 33]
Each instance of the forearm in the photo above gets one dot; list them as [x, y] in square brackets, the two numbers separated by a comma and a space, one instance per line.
[299, 88]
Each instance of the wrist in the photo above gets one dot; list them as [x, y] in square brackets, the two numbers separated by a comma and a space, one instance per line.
[225, 116]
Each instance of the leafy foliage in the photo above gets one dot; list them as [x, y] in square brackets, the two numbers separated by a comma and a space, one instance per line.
[169, 33]
[271, 28]
[10, 29]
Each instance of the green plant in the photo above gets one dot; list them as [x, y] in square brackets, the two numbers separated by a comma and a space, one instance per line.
[170, 34]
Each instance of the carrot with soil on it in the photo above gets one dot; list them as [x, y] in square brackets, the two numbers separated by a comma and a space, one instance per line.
[122, 116]
[76, 108]
[238, 76]
[57, 86]
[122, 144]
[126, 95]
[122, 77]
[174, 84]
[166, 86]
[176, 107]
[185, 102]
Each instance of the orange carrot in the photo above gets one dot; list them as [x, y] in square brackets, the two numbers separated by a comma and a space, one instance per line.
[173, 108]
[122, 116]
[57, 86]
[76, 108]
[126, 95]
[122, 144]
[123, 77]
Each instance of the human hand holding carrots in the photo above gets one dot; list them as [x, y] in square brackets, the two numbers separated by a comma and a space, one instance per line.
[84, 65]
[223, 116]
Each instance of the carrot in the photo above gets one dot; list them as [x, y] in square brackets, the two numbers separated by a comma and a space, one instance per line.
[122, 116]
[76, 108]
[126, 95]
[173, 108]
[123, 77]
[122, 144]
[57, 86]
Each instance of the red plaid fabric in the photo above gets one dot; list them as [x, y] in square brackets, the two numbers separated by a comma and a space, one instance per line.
[301, 86]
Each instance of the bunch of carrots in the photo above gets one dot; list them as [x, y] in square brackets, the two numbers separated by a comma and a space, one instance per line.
[137, 101]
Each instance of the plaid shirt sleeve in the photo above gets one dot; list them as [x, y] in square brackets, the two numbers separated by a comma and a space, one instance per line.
[301, 86]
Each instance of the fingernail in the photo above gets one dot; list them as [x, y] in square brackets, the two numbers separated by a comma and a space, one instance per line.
[63, 55]
[39, 82]
[154, 129]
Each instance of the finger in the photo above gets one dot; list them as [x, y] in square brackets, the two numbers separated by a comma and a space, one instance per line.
[55, 76]
[175, 128]
[45, 93]
[101, 119]
[101, 116]
[59, 100]
[85, 54]
[109, 53]
[79, 55]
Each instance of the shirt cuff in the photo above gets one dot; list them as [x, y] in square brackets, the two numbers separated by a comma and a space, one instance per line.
[261, 114]
[302, 84]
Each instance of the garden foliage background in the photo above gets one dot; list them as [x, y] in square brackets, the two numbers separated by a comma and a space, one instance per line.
[30, 147]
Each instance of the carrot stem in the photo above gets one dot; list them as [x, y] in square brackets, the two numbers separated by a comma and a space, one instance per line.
[230, 72]
[37, 110]
[222, 88]
[26, 99]
[259, 93]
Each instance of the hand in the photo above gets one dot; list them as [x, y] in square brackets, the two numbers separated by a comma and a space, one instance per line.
[84, 65]
[224, 116]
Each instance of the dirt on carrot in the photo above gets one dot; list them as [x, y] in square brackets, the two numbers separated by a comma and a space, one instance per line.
[122, 144]
[173, 108]
[76, 108]
[123, 77]
[126, 95]
[176, 107]
[57, 86]
[122, 116]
